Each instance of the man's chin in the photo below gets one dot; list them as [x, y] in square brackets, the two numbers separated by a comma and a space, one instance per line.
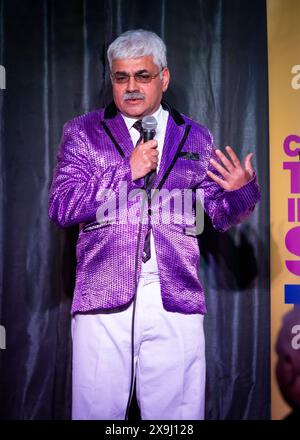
[134, 108]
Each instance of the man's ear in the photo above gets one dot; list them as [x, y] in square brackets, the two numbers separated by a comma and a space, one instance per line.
[165, 78]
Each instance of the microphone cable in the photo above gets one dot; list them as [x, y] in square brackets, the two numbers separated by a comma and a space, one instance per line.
[132, 376]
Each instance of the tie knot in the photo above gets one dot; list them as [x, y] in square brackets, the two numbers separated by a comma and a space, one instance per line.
[138, 126]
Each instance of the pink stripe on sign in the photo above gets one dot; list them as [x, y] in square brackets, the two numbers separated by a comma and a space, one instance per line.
[291, 210]
[294, 167]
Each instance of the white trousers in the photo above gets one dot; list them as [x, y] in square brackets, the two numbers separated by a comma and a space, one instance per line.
[169, 355]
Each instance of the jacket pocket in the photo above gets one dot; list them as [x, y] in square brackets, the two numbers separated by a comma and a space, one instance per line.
[95, 225]
[189, 155]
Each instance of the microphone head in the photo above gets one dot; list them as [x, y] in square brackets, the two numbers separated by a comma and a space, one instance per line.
[149, 123]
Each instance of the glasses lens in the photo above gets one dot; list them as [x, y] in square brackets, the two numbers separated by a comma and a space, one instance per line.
[144, 77]
[121, 78]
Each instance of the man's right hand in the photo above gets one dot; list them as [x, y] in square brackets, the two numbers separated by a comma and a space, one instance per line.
[143, 159]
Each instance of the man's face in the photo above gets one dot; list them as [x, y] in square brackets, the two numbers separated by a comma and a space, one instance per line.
[135, 99]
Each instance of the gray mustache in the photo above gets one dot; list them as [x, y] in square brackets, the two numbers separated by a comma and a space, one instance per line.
[133, 95]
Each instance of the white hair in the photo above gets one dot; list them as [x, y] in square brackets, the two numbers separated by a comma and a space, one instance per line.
[138, 43]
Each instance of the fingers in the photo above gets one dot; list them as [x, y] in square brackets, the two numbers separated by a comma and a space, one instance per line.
[154, 158]
[150, 165]
[150, 155]
[150, 144]
[225, 161]
[146, 146]
[218, 179]
[233, 157]
[143, 159]
[248, 165]
[220, 168]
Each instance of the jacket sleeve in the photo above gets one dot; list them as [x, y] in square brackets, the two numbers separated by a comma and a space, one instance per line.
[227, 208]
[77, 187]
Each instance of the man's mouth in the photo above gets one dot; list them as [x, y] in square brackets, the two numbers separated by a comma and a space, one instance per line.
[133, 100]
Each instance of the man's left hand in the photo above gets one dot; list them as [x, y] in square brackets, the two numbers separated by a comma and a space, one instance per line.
[234, 174]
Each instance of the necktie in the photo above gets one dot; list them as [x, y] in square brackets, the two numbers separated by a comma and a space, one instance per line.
[148, 184]
[138, 126]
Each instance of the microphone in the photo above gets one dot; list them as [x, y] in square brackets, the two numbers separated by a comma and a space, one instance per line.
[149, 125]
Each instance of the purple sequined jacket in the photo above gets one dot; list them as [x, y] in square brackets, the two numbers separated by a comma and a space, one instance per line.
[93, 157]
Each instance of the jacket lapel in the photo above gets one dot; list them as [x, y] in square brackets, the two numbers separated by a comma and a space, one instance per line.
[173, 134]
[175, 137]
[115, 127]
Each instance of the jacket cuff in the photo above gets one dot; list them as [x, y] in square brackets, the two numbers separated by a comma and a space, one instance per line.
[245, 198]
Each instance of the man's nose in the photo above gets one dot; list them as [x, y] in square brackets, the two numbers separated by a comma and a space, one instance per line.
[132, 85]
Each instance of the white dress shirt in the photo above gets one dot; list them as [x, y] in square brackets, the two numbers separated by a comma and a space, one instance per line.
[150, 268]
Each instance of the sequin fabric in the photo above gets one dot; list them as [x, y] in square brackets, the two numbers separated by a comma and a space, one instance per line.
[93, 173]
[148, 184]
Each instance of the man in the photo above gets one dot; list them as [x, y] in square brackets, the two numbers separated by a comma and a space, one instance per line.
[138, 303]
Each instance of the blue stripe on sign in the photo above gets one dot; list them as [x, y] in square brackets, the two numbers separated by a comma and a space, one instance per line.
[292, 294]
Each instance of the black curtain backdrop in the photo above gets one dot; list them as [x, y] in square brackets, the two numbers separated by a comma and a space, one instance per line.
[56, 68]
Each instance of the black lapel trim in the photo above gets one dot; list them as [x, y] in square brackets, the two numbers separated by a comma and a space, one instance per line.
[180, 146]
[110, 111]
[110, 135]
[174, 113]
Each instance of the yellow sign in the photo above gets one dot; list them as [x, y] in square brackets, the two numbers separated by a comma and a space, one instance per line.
[284, 117]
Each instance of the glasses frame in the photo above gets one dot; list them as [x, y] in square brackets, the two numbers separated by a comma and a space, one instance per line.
[151, 77]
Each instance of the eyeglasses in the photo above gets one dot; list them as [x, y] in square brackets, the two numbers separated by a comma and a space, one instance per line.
[140, 77]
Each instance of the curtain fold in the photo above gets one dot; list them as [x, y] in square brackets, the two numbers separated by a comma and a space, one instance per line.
[55, 59]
